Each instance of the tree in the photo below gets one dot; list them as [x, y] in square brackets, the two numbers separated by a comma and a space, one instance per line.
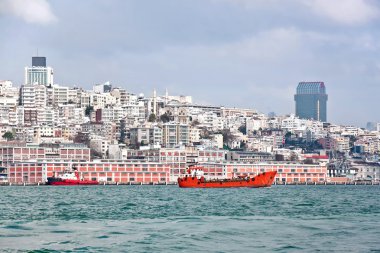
[95, 154]
[228, 137]
[88, 110]
[205, 134]
[165, 118]
[288, 138]
[243, 145]
[293, 156]
[243, 129]
[152, 117]
[123, 131]
[195, 123]
[8, 136]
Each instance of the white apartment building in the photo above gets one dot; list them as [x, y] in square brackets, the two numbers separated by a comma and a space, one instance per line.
[139, 136]
[104, 129]
[255, 123]
[135, 111]
[237, 112]
[175, 134]
[100, 145]
[146, 135]
[209, 120]
[112, 113]
[4, 115]
[195, 134]
[234, 122]
[70, 131]
[48, 116]
[343, 144]
[101, 100]
[16, 116]
[59, 95]
[351, 131]
[70, 114]
[84, 99]
[44, 131]
[33, 96]
[72, 96]
[8, 102]
[7, 89]
[102, 88]
[4, 86]
[155, 135]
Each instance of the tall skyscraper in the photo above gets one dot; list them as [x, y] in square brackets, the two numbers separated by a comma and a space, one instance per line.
[39, 73]
[311, 101]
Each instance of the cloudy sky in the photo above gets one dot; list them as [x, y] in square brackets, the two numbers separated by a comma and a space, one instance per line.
[242, 53]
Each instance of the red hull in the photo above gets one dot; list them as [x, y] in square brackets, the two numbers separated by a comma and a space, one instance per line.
[73, 182]
[264, 179]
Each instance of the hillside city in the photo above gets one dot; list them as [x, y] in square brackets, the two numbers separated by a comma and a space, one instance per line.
[116, 136]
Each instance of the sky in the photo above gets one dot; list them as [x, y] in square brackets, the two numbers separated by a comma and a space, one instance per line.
[235, 53]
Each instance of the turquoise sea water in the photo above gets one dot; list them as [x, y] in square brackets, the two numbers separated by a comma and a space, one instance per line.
[170, 219]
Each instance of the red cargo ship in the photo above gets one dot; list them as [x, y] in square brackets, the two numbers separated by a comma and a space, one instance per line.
[69, 178]
[195, 179]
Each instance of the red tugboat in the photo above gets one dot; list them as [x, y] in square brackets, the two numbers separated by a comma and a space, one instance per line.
[69, 177]
[195, 179]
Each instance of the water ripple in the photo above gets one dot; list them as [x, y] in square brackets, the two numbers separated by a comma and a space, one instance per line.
[170, 219]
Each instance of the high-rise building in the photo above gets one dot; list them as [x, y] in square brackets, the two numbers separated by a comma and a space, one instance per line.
[39, 73]
[311, 101]
[38, 61]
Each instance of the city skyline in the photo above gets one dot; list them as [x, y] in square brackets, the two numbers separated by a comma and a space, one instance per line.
[247, 58]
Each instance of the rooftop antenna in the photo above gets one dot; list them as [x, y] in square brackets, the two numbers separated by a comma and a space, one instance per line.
[37, 52]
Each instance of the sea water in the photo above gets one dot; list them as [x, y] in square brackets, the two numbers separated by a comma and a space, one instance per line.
[172, 219]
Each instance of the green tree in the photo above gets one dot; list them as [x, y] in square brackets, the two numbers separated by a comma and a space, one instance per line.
[243, 129]
[243, 145]
[8, 136]
[88, 110]
[165, 118]
[152, 117]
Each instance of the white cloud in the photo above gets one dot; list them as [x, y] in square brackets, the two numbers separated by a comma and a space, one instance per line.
[349, 12]
[31, 11]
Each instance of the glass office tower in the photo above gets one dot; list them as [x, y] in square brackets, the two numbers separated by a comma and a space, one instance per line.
[311, 101]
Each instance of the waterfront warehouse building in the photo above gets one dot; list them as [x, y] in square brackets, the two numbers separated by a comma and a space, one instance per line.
[311, 101]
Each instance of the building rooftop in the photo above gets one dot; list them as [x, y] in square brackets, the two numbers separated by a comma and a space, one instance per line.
[311, 88]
